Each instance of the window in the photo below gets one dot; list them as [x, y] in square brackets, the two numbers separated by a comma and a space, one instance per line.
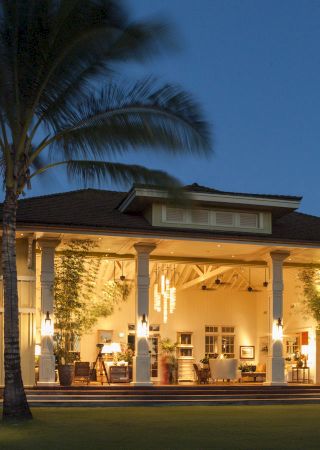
[185, 347]
[211, 345]
[219, 340]
[185, 338]
[211, 329]
[227, 329]
[227, 346]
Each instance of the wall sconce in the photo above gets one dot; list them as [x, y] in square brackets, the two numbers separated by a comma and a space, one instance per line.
[37, 350]
[143, 327]
[47, 329]
[277, 330]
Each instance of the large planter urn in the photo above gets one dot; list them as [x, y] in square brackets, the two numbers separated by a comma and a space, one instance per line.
[66, 374]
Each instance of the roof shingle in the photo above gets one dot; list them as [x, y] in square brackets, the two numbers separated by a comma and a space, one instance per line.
[97, 209]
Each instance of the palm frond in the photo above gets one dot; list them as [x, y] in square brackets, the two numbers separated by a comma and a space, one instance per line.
[91, 173]
[125, 117]
[45, 45]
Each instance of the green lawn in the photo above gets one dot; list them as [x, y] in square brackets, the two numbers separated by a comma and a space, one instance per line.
[223, 427]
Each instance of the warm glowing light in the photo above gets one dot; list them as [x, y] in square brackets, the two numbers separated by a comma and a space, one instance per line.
[172, 300]
[142, 327]
[164, 298]
[47, 326]
[37, 350]
[111, 347]
[277, 330]
[163, 284]
[157, 298]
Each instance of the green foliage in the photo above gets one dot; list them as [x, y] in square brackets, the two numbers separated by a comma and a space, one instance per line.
[125, 355]
[168, 347]
[309, 277]
[245, 367]
[77, 304]
[205, 360]
[63, 100]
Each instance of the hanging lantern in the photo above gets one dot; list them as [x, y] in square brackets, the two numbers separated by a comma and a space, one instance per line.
[165, 297]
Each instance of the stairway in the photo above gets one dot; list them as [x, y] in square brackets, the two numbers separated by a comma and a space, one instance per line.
[214, 395]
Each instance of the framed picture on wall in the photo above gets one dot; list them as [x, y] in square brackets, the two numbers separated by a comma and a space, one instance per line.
[104, 336]
[246, 351]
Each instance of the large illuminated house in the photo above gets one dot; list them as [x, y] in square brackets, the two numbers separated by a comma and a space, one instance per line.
[218, 273]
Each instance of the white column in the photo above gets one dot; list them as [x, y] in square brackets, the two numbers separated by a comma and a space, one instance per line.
[275, 361]
[47, 359]
[141, 360]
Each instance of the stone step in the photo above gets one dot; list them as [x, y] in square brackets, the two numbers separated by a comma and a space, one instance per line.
[173, 402]
[174, 387]
[173, 395]
[170, 396]
[131, 392]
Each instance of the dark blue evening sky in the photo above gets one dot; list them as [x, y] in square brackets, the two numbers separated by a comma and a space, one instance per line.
[255, 67]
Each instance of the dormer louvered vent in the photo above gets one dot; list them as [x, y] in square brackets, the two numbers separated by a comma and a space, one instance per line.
[200, 216]
[248, 220]
[211, 219]
[224, 218]
[175, 215]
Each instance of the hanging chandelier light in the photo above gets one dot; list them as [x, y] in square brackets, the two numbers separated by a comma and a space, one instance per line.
[164, 294]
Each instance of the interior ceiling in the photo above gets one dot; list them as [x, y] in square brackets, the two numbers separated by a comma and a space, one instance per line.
[190, 276]
[236, 265]
[196, 263]
[180, 249]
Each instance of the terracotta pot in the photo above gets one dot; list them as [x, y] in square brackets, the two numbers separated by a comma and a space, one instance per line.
[66, 374]
[164, 371]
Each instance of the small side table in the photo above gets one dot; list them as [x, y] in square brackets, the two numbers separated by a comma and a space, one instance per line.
[296, 371]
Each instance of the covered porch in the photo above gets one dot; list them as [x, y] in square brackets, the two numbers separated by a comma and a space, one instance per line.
[234, 301]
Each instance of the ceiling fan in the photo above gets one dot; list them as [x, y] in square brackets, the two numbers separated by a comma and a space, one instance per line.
[218, 281]
[250, 288]
[122, 277]
[204, 287]
[265, 283]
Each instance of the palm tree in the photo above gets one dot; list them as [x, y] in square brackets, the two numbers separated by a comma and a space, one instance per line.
[61, 106]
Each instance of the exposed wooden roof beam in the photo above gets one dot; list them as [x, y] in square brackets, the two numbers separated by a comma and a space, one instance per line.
[202, 278]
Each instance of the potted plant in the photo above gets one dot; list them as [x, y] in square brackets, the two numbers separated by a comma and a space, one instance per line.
[168, 361]
[205, 362]
[77, 305]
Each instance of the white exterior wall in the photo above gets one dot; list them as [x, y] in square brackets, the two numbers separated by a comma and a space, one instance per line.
[194, 310]
[296, 319]
[247, 312]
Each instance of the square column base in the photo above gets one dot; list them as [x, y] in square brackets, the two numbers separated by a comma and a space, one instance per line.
[47, 372]
[275, 371]
[141, 370]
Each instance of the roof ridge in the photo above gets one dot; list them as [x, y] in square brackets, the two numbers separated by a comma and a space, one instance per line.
[194, 187]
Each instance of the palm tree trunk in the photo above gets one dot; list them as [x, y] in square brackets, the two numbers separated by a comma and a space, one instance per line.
[15, 405]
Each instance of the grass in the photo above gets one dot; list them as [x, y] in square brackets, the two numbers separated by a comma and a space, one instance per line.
[223, 427]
